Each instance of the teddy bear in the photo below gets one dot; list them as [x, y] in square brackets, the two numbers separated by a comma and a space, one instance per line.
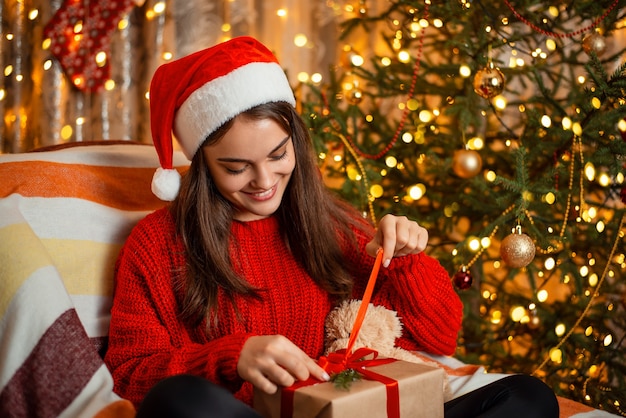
[379, 330]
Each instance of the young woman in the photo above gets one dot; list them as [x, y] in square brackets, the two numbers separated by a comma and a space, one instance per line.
[232, 282]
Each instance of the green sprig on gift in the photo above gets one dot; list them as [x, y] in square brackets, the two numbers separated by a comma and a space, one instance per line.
[343, 380]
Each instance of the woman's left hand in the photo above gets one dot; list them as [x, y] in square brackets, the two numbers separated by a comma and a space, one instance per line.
[397, 236]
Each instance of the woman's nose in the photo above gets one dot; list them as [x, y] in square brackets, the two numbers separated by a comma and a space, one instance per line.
[263, 178]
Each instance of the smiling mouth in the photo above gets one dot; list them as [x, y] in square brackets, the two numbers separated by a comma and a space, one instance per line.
[264, 195]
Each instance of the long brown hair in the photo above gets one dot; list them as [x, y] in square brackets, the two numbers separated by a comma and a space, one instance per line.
[203, 218]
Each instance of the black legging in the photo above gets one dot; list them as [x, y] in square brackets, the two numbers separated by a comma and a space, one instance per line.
[516, 396]
[186, 396]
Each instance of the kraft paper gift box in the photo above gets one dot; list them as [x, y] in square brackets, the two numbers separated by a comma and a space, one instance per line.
[420, 396]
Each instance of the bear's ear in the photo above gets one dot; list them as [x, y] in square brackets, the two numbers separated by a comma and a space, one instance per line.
[380, 328]
[340, 320]
[388, 323]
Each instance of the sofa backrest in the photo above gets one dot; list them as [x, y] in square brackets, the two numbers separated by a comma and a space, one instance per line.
[81, 200]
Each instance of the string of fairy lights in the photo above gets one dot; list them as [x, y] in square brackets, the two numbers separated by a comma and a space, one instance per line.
[489, 83]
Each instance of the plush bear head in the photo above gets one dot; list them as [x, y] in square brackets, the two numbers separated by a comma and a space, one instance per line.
[379, 330]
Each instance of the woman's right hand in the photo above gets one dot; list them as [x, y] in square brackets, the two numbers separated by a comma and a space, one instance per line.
[270, 361]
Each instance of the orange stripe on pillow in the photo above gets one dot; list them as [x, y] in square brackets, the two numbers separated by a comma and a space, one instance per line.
[465, 370]
[119, 187]
[568, 407]
[119, 409]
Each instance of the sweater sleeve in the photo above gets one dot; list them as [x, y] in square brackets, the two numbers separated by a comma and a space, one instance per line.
[147, 342]
[419, 289]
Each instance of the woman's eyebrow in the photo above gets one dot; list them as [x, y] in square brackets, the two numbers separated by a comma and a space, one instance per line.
[241, 160]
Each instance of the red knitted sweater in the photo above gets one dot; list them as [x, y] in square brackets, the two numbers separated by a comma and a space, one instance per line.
[147, 342]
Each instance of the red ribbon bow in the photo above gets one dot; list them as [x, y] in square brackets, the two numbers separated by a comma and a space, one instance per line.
[341, 360]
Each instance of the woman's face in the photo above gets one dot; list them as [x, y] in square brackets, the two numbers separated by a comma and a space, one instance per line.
[251, 166]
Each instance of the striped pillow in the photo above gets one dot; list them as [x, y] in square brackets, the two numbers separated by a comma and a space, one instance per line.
[64, 215]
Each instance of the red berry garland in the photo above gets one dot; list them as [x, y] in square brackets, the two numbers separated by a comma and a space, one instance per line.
[405, 114]
[561, 35]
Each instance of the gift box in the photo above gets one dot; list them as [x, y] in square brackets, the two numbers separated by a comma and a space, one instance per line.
[389, 388]
[419, 392]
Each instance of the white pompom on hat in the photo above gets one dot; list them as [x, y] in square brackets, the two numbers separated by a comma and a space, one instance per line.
[193, 96]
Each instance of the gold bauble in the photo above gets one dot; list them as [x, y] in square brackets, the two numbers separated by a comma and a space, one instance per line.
[489, 82]
[354, 95]
[466, 163]
[594, 42]
[517, 250]
[345, 57]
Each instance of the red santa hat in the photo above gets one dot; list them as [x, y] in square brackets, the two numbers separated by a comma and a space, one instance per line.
[193, 96]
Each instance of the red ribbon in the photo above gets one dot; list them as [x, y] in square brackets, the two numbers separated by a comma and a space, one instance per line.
[346, 359]
[339, 361]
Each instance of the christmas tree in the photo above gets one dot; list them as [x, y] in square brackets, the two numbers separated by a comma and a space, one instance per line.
[500, 127]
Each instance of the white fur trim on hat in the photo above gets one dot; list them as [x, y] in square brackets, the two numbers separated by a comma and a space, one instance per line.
[223, 98]
[166, 184]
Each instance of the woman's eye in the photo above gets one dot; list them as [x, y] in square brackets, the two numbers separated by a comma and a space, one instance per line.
[235, 170]
[280, 156]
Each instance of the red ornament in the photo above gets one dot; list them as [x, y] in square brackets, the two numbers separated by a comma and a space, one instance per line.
[462, 279]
